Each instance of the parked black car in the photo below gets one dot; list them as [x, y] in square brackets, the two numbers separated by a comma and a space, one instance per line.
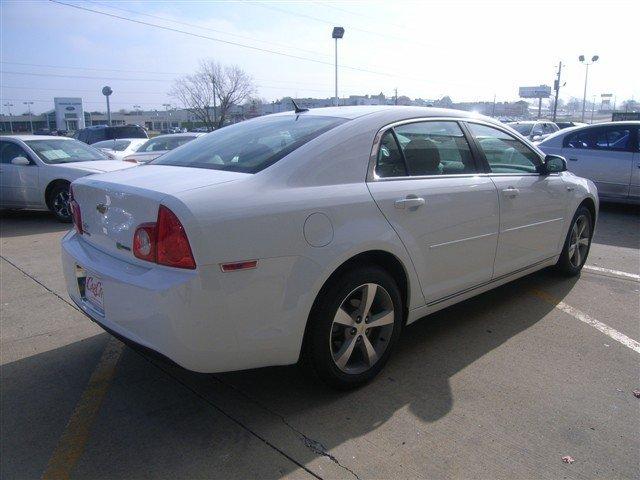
[97, 133]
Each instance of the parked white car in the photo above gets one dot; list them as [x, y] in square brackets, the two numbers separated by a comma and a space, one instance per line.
[119, 148]
[36, 170]
[606, 153]
[318, 233]
[153, 148]
[535, 131]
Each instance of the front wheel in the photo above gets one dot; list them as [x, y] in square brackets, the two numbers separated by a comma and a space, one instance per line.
[59, 202]
[354, 327]
[577, 244]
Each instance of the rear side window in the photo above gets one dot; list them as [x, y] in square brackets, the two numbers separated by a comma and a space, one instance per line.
[10, 150]
[251, 146]
[504, 153]
[127, 131]
[604, 138]
[390, 162]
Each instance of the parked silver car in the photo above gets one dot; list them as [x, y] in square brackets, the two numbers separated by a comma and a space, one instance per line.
[36, 171]
[535, 130]
[159, 145]
[606, 153]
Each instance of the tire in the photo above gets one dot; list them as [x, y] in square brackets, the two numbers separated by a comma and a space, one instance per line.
[577, 244]
[366, 340]
[59, 203]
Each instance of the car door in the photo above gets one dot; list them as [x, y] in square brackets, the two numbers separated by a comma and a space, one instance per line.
[634, 189]
[532, 205]
[427, 184]
[18, 183]
[603, 155]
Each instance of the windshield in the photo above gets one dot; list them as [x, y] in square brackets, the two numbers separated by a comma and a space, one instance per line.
[249, 147]
[116, 145]
[54, 151]
[522, 128]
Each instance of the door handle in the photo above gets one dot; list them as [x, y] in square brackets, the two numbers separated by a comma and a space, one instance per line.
[511, 192]
[573, 159]
[409, 202]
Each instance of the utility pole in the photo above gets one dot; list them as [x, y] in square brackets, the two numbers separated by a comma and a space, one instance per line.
[556, 86]
[493, 110]
[395, 96]
[593, 107]
[166, 114]
[30, 117]
[9, 105]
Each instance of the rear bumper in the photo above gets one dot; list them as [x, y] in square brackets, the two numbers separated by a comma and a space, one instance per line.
[200, 319]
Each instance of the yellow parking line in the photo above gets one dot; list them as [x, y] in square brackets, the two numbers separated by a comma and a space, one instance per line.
[584, 318]
[74, 438]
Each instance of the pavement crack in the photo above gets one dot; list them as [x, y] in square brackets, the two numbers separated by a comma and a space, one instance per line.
[52, 292]
[313, 445]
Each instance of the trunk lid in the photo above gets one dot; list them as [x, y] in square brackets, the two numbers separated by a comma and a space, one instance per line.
[114, 204]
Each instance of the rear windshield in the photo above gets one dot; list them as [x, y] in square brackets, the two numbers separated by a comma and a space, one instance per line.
[127, 131]
[251, 146]
[117, 145]
[55, 151]
[522, 128]
[162, 143]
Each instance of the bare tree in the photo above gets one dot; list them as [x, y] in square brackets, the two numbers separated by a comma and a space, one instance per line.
[212, 91]
[196, 94]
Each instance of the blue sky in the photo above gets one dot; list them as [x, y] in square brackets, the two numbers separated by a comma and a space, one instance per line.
[468, 50]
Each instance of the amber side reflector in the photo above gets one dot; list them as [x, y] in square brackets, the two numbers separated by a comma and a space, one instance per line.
[235, 266]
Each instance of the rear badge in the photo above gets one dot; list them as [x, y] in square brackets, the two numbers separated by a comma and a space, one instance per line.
[102, 208]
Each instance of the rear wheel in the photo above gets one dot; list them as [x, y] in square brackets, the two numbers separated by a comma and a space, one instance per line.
[59, 202]
[354, 327]
[577, 244]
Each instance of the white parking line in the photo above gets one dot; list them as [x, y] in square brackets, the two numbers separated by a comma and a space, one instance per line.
[583, 317]
[617, 273]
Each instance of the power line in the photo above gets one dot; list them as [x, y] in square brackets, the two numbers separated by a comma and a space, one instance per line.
[237, 44]
[209, 29]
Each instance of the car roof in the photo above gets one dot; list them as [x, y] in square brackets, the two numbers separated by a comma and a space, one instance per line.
[35, 137]
[187, 134]
[400, 112]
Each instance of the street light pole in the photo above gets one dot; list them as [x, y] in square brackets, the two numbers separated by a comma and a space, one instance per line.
[9, 105]
[338, 32]
[30, 118]
[594, 59]
[556, 84]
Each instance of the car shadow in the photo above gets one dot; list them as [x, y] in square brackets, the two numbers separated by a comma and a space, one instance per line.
[167, 415]
[18, 223]
[618, 225]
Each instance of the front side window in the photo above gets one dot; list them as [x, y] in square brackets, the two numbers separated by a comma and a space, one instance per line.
[54, 151]
[504, 153]
[251, 146]
[523, 129]
[434, 148]
[157, 144]
[10, 150]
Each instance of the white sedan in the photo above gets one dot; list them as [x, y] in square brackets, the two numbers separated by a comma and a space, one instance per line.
[36, 170]
[318, 233]
[154, 147]
[119, 148]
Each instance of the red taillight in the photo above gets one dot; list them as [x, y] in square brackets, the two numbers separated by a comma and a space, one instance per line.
[144, 242]
[75, 211]
[164, 242]
[173, 245]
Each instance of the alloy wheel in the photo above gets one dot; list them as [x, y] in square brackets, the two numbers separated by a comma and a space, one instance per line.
[362, 328]
[579, 241]
[61, 204]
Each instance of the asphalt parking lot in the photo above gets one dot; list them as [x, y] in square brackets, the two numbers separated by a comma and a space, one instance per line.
[501, 386]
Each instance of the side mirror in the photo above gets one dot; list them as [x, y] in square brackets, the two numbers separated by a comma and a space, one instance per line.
[554, 164]
[22, 161]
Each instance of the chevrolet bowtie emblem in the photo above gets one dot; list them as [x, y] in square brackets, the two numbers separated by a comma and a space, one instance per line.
[102, 208]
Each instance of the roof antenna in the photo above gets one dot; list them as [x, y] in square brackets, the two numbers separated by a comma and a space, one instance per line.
[298, 109]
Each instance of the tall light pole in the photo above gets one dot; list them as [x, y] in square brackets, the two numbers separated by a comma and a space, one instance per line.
[106, 91]
[556, 87]
[594, 59]
[338, 32]
[9, 105]
[30, 118]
